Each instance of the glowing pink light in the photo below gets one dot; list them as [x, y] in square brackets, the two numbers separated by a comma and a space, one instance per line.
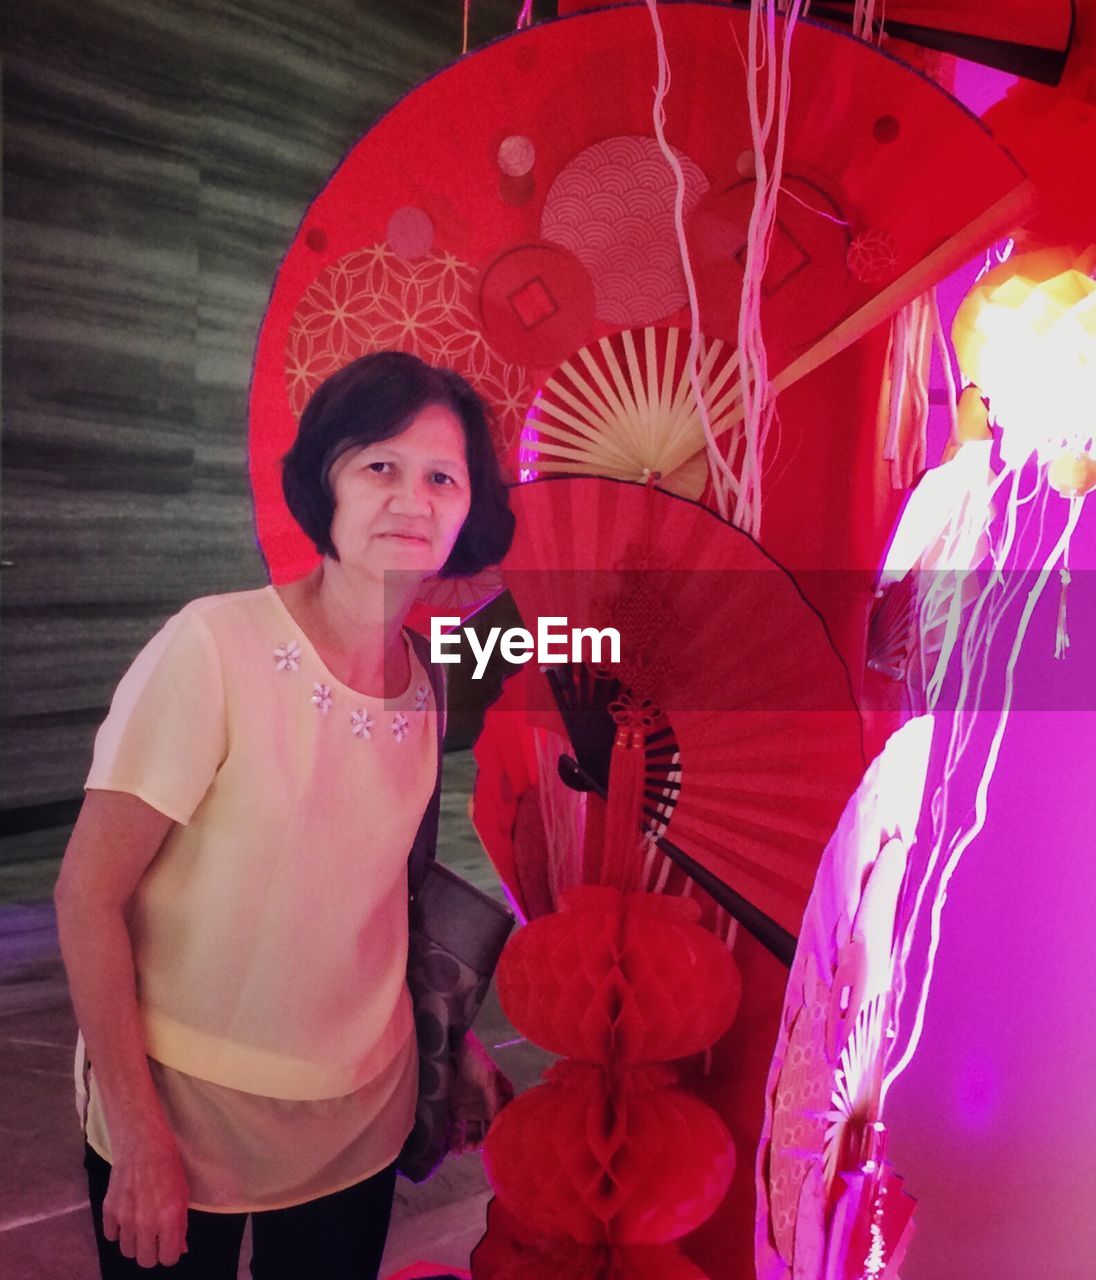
[527, 456]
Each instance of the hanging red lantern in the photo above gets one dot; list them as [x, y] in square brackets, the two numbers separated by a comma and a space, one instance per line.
[629, 1160]
[598, 1262]
[619, 977]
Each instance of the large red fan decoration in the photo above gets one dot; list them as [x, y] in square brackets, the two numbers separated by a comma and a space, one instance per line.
[758, 702]
[492, 240]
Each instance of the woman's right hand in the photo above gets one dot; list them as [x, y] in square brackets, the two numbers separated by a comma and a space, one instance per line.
[115, 839]
[146, 1202]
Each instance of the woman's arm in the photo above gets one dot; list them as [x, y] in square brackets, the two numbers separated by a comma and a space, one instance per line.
[115, 839]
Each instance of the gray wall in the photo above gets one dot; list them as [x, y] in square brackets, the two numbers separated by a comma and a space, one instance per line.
[158, 156]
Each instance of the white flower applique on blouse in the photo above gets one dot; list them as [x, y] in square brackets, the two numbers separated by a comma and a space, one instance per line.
[321, 697]
[287, 658]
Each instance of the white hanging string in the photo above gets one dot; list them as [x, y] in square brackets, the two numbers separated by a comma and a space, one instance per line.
[723, 478]
[962, 839]
[916, 335]
[770, 54]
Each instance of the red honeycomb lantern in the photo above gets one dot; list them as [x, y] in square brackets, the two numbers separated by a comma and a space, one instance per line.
[598, 1262]
[596, 1159]
[619, 977]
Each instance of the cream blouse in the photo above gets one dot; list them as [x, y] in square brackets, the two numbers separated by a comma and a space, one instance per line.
[270, 931]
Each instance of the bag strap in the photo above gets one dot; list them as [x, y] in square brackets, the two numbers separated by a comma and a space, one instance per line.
[425, 846]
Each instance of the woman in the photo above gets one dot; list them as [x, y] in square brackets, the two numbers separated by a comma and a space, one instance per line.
[232, 905]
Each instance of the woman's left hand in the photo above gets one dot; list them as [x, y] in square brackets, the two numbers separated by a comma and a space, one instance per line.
[480, 1091]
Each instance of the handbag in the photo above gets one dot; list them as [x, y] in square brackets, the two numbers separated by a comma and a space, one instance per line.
[457, 934]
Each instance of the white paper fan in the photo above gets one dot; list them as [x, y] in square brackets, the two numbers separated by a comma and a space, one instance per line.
[625, 407]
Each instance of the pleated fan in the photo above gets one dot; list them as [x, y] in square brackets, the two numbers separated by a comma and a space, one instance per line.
[762, 739]
[625, 407]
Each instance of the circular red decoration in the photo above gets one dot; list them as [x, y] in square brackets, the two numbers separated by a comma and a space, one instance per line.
[634, 1162]
[517, 191]
[886, 129]
[537, 304]
[509, 1252]
[410, 233]
[516, 156]
[620, 978]
[316, 239]
[594, 1262]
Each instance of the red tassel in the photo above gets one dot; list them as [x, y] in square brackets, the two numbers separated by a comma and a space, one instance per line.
[627, 768]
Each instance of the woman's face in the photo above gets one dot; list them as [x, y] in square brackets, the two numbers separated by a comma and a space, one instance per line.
[400, 503]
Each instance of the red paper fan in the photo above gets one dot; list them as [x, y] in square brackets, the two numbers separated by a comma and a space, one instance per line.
[418, 242]
[757, 699]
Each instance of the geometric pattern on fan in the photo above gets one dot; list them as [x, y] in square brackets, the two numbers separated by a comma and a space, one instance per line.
[625, 406]
[823, 1099]
[767, 735]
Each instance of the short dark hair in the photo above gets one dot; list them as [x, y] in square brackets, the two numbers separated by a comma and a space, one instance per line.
[375, 398]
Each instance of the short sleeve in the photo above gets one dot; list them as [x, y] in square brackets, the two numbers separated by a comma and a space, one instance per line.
[165, 735]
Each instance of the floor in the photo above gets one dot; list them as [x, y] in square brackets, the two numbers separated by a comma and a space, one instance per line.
[44, 1222]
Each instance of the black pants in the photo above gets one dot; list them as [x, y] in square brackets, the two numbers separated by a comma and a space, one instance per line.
[338, 1237]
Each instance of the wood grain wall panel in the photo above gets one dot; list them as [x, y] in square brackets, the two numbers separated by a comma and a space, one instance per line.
[158, 155]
